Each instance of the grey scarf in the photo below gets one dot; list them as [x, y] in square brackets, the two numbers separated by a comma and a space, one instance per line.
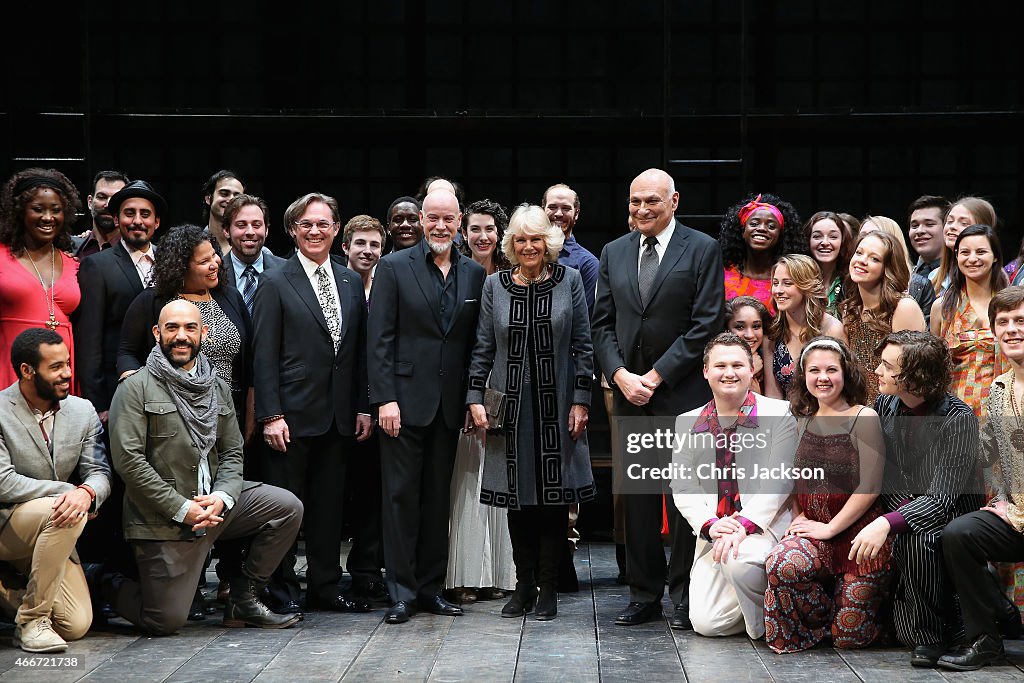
[194, 397]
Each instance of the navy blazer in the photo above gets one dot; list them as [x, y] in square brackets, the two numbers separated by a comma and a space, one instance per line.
[296, 370]
[415, 361]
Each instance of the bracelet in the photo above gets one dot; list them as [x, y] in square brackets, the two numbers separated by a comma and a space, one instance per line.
[87, 489]
[271, 418]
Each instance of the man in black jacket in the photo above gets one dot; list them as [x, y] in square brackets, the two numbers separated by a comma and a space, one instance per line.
[423, 331]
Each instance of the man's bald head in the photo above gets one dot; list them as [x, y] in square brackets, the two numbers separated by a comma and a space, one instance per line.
[440, 218]
[652, 201]
[179, 332]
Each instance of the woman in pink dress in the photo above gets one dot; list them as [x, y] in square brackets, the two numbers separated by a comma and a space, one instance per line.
[38, 281]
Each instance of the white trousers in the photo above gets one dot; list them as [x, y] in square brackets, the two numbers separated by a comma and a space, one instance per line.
[728, 597]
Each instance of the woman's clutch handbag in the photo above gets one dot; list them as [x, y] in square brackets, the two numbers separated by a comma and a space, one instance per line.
[494, 404]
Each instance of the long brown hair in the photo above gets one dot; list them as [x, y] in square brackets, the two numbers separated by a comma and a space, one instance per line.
[895, 279]
[983, 213]
[957, 280]
[806, 275]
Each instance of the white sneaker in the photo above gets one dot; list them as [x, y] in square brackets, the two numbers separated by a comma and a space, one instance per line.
[38, 636]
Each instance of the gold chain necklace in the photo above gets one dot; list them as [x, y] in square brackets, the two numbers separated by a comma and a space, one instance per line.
[518, 272]
[51, 307]
[1017, 435]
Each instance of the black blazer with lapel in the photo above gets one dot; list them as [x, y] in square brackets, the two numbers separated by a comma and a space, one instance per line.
[685, 311]
[109, 282]
[137, 331]
[414, 360]
[297, 373]
[270, 262]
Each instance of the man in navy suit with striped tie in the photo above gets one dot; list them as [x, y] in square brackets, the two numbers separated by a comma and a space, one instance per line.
[245, 226]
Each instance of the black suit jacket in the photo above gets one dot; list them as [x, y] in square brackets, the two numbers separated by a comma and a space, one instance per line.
[684, 312]
[415, 361]
[270, 262]
[137, 331]
[109, 282]
[297, 373]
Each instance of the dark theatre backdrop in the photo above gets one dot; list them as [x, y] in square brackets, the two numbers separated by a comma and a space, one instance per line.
[856, 106]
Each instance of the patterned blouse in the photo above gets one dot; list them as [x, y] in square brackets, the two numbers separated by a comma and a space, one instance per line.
[738, 284]
[223, 342]
[977, 360]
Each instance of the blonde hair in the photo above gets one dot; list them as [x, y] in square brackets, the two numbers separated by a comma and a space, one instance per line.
[806, 275]
[531, 219]
[892, 229]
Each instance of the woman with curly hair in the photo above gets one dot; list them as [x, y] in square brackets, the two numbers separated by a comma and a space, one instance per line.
[799, 295]
[480, 565]
[188, 267]
[38, 280]
[830, 243]
[961, 315]
[754, 234]
[814, 588]
[877, 302]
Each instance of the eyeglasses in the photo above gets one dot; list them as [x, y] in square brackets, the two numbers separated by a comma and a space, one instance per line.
[306, 226]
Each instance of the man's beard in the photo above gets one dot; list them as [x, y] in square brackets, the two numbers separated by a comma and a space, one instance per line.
[169, 355]
[439, 247]
[45, 390]
[135, 242]
[105, 222]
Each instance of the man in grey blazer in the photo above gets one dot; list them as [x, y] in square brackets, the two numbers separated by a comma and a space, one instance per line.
[660, 299]
[47, 440]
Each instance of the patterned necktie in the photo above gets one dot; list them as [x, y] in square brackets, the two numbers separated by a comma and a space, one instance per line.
[329, 304]
[145, 268]
[648, 268]
[248, 286]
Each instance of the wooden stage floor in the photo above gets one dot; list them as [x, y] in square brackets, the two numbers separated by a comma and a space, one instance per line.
[582, 644]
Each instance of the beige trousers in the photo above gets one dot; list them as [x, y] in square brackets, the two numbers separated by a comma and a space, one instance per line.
[727, 598]
[39, 578]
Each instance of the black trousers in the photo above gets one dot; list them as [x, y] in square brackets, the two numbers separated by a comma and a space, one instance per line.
[969, 542]
[923, 608]
[313, 468]
[416, 474]
[366, 559]
[538, 541]
[645, 551]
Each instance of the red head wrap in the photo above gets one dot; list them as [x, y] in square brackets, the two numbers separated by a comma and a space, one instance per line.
[756, 204]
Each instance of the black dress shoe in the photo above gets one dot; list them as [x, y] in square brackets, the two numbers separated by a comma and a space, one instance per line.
[927, 655]
[439, 606]
[639, 613]
[399, 613]
[196, 611]
[337, 603]
[984, 650]
[680, 618]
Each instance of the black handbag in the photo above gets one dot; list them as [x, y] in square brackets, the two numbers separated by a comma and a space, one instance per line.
[494, 405]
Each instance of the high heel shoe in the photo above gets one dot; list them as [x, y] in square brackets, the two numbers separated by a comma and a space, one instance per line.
[522, 602]
[547, 604]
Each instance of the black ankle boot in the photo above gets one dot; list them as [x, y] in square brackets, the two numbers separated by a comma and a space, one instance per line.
[244, 608]
[522, 601]
[547, 603]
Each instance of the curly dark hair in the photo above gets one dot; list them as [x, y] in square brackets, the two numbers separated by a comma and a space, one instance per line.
[174, 257]
[855, 391]
[734, 249]
[926, 368]
[12, 208]
[497, 212]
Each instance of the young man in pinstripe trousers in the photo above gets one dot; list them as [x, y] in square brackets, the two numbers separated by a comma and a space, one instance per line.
[931, 477]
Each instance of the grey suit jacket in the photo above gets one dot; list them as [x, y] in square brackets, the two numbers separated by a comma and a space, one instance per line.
[269, 263]
[28, 472]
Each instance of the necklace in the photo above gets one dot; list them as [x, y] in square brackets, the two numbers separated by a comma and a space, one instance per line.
[1017, 435]
[518, 272]
[51, 308]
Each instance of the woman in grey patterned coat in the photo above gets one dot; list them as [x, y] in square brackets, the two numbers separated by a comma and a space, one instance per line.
[533, 345]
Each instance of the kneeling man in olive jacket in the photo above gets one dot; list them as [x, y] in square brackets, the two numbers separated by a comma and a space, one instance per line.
[175, 442]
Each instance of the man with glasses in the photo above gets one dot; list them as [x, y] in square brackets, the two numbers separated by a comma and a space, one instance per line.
[422, 338]
[310, 379]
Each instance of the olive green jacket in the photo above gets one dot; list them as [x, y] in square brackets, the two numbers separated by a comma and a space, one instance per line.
[154, 454]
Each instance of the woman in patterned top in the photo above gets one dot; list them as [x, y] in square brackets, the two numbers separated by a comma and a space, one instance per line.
[961, 315]
[877, 302]
[831, 244]
[800, 296]
[814, 587]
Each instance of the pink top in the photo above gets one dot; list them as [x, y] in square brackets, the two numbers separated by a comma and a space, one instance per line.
[23, 304]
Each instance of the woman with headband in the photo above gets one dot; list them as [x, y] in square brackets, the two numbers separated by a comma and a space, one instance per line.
[799, 295]
[38, 280]
[814, 588]
[876, 302]
[754, 234]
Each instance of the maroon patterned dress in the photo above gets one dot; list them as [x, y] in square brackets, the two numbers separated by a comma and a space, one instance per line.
[813, 589]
